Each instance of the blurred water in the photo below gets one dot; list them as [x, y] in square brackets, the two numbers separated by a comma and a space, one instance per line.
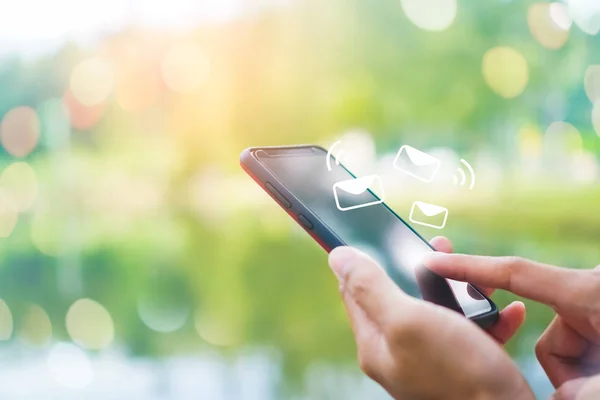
[254, 375]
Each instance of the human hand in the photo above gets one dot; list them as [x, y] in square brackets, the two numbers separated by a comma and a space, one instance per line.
[570, 347]
[415, 349]
[579, 389]
[510, 319]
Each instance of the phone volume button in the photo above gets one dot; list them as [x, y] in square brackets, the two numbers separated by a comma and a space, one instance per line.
[305, 222]
[280, 198]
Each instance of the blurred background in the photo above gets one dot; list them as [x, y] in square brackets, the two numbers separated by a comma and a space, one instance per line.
[139, 262]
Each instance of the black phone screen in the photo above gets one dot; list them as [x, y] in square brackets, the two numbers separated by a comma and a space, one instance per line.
[332, 197]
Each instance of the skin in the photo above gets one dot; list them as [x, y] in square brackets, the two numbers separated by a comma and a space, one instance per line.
[569, 349]
[429, 352]
[417, 350]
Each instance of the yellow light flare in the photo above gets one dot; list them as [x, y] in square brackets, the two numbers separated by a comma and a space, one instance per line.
[46, 232]
[20, 131]
[92, 81]
[185, 67]
[36, 328]
[215, 331]
[8, 215]
[431, 15]
[530, 141]
[592, 83]
[506, 72]
[6, 321]
[19, 182]
[543, 26]
[90, 325]
[138, 86]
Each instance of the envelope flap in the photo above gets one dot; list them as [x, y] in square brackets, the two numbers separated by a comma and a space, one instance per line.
[356, 186]
[418, 157]
[430, 210]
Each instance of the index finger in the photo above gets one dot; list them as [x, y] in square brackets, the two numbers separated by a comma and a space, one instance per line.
[540, 282]
[444, 245]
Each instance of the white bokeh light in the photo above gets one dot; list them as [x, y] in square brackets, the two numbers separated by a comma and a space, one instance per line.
[92, 81]
[559, 13]
[431, 15]
[585, 14]
[585, 168]
[562, 137]
[162, 317]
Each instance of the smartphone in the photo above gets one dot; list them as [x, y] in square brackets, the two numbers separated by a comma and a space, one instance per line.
[302, 181]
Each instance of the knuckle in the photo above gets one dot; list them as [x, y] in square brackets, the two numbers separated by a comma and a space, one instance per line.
[366, 364]
[585, 297]
[513, 263]
[560, 394]
[360, 281]
[594, 279]
[595, 276]
[540, 348]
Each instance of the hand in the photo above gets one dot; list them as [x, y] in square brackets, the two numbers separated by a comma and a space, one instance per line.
[511, 318]
[417, 350]
[579, 389]
[570, 347]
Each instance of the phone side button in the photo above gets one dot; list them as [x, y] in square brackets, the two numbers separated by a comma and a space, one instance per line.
[280, 198]
[305, 222]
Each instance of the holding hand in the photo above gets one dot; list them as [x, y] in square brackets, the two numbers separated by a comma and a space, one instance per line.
[417, 350]
[569, 350]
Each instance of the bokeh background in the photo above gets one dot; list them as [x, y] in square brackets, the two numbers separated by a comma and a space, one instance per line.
[139, 262]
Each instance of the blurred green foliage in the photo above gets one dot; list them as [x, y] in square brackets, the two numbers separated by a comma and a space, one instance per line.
[297, 75]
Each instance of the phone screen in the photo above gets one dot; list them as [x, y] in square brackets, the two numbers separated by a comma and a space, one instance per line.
[375, 229]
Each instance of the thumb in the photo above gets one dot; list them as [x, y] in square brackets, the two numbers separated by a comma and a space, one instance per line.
[572, 390]
[366, 289]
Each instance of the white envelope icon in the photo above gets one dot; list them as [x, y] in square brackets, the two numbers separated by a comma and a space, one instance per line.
[416, 163]
[428, 215]
[354, 193]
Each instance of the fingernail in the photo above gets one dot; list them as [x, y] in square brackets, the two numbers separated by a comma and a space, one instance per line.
[339, 259]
